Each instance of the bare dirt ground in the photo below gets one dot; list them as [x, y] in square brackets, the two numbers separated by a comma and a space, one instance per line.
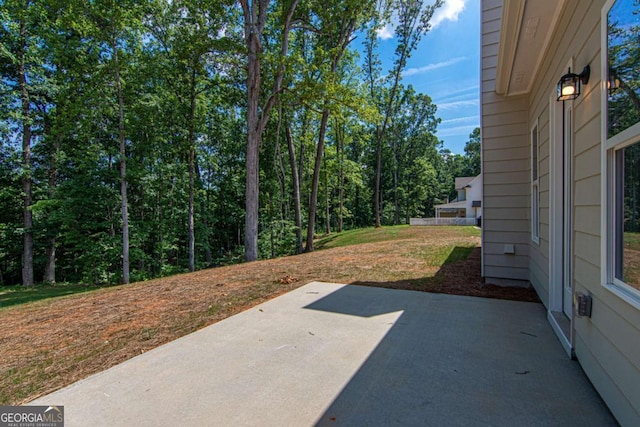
[50, 344]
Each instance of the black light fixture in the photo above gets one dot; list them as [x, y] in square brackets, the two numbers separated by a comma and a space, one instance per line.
[569, 84]
[613, 81]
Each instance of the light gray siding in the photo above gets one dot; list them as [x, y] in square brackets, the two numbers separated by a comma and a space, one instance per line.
[505, 153]
[607, 345]
[539, 251]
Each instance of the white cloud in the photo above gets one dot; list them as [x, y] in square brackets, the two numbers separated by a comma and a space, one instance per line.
[456, 131]
[468, 91]
[464, 89]
[449, 11]
[429, 67]
[475, 119]
[386, 32]
[457, 104]
[450, 99]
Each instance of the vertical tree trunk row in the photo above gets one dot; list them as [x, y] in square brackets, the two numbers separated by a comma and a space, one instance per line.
[123, 168]
[192, 159]
[27, 252]
[295, 180]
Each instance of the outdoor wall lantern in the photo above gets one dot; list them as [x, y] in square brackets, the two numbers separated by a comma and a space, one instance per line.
[569, 84]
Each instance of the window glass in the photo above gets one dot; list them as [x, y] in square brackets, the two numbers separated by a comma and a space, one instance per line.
[623, 47]
[535, 191]
[534, 154]
[628, 215]
[621, 149]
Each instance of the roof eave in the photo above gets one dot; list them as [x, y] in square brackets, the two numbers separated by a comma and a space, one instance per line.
[513, 16]
[511, 21]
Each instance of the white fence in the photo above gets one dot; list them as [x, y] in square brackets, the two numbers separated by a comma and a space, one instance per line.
[442, 221]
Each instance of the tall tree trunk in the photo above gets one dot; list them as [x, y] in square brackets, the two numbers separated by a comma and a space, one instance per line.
[192, 159]
[27, 250]
[340, 146]
[356, 205]
[396, 201]
[372, 72]
[252, 160]
[160, 219]
[296, 188]
[205, 222]
[50, 266]
[303, 134]
[123, 169]
[327, 216]
[376, 190]
[271, 236]
[408, 207]
[278, 166]
[280, 172]
[255, 16]
[313, 200]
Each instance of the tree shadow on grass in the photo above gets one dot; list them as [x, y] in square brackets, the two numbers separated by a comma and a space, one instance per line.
[17, 295]
[460, 274]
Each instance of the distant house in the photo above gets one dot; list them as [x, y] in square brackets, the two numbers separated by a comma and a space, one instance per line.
[560, 127]
[468, 204]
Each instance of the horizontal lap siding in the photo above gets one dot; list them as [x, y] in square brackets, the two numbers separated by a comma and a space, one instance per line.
[539, 252]
[505, 152]
[607, 344]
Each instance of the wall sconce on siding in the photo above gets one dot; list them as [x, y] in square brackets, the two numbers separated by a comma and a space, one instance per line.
[569, 84]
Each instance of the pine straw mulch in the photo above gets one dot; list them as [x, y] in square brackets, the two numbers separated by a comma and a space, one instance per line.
[50, 344]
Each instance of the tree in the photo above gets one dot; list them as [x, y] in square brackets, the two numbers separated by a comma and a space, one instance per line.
[411, 137]
[472, 153]
[21, 56]
[132, 136]
[337, 24]
[296, 183]
[189, 34]
[115, 26]
[413, 22]
[255, 19]
[10, 215]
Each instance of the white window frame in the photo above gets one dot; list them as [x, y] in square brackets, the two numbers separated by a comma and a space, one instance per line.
[535, 182]
[610, 146]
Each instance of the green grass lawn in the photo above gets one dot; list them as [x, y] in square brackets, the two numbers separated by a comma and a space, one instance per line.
[439, 256]
[372, 235]
[632, 241]
[631, 273]
[15, 295]
[100, 327]
[433, 256]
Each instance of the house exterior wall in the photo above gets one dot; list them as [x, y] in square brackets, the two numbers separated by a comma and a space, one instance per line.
[607, 344]
[470, 192]
[505, 170]
[474, 193]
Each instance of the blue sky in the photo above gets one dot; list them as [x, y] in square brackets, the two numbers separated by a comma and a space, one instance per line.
[446, 66]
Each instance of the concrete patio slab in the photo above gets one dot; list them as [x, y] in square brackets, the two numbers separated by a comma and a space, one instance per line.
[329, 354]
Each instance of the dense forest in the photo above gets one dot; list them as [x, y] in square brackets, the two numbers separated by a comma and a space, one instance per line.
[141, 138]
